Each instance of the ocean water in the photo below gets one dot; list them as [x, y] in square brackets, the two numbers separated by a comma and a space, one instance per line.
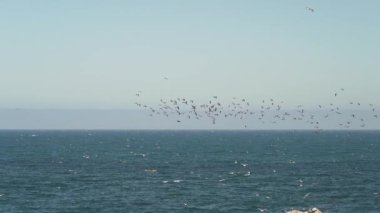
[189, 171]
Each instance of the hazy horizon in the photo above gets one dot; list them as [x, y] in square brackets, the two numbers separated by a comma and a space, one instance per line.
[139, 120]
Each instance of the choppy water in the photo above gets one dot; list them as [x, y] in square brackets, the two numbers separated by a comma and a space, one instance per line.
[188, 171]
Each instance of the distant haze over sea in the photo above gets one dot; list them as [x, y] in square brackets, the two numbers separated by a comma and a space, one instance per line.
[137, 119]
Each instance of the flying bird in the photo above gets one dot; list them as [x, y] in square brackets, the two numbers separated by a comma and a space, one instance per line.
[310, 9]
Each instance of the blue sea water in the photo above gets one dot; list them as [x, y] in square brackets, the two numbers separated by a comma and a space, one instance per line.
[189, 171]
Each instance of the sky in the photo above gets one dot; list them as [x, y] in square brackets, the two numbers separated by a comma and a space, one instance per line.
[95, 55]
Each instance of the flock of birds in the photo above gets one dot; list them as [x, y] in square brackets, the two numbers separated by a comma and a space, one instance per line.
[267, 111]
[263, 111]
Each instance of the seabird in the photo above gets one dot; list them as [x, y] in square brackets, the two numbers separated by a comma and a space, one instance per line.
[310, 9]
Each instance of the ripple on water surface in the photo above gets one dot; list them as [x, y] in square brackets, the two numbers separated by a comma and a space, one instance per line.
[201, 171]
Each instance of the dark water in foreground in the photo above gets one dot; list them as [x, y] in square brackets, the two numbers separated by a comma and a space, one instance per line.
[188, 171]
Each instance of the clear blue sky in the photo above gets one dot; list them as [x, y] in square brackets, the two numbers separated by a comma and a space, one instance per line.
[97, 54]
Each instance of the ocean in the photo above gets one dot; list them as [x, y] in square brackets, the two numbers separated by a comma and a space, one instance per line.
[189, 171]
